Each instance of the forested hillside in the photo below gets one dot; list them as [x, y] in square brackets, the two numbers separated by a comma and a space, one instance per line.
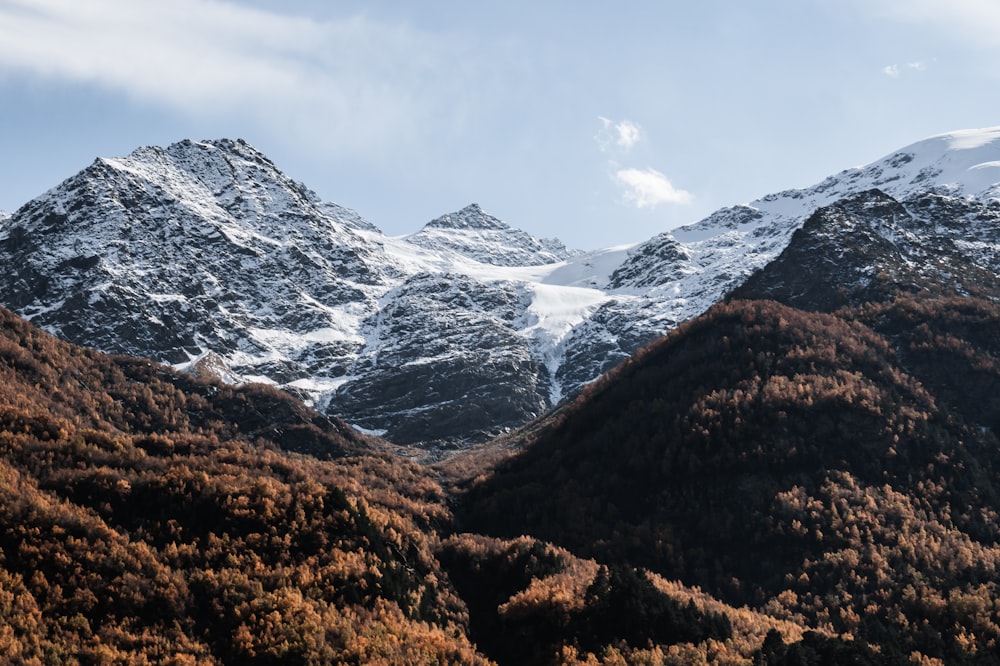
[822, 446]
[146, 517]
[790, 461]
[151, 517]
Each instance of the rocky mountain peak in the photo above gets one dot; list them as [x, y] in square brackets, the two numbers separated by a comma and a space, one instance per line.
[202, 246]
[230, 174]
[470, 217]
[474, 234]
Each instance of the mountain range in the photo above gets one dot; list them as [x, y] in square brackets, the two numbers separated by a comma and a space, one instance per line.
[205, 255]
[802, 470]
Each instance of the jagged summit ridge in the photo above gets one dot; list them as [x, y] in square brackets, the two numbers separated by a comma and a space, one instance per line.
[233, 175]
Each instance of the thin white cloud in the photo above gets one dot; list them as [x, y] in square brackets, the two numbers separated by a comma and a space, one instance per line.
[621, 136]
[648, 188]
[352, 84]
[895, 71]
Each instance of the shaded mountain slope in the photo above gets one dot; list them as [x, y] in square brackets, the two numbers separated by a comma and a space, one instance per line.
[923, 273]
[449, 361]
[780, 458]
[952, 344]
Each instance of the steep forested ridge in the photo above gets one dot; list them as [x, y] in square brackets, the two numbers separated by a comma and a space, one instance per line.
[783, 459]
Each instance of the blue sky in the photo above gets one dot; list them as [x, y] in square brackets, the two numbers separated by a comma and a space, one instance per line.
[595, 122]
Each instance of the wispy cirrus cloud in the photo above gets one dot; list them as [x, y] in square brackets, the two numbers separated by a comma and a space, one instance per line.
[895, 70]
[352, 84]
[648, 188]
[972, 21]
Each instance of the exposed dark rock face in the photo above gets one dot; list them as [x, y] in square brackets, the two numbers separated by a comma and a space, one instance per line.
[450, 345]
[871, 247]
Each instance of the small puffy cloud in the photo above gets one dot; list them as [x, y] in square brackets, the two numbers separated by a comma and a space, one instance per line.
[642, 188]
[891, 70]
[621, 135]
[628, 134]
[648, 188]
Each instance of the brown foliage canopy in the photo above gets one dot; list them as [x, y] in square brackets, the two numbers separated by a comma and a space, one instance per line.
[784, 459]
[148, 517]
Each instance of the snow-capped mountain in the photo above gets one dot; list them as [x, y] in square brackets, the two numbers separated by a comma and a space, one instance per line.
[205, 255]
[692, 266]
[475, 234]
[199, 247]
